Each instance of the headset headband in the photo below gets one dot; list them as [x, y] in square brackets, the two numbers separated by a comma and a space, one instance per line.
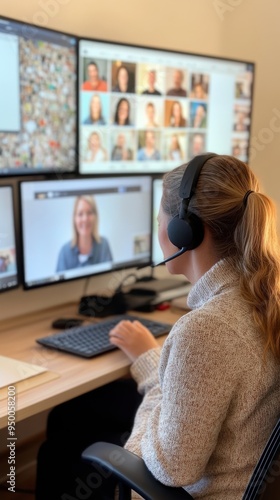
[191, 175]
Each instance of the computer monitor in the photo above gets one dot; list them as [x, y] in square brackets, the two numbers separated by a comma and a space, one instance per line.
[146, 110]
[38, 99]
[8, 254]
[157, 255]
[75, 228]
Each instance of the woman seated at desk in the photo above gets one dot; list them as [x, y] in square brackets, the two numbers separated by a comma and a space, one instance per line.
[211, 396]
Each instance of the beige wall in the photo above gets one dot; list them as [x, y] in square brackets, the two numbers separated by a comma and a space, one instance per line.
[251, 31]
[246, 29]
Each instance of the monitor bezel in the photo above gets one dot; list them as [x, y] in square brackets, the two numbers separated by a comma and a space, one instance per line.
[164, 50]
[17, 244]
[116, 269]
[51, 172]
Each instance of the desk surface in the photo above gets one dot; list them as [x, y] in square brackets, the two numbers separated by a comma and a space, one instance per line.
[76, 375]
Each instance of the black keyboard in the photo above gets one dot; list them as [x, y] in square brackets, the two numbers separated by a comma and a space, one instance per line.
[93, 339]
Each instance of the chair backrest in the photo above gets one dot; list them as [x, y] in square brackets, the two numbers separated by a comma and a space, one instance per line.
[265, 480]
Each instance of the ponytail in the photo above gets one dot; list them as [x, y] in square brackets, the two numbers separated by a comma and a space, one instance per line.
[258, 262]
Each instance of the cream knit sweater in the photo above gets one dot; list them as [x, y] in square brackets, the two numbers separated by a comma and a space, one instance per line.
[210, 401]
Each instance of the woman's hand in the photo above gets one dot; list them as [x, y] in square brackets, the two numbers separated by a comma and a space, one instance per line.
[132, 338]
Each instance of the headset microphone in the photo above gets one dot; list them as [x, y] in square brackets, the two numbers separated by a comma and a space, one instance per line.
[180, 252]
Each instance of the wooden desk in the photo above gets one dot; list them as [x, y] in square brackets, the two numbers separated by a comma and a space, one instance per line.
[76, 375]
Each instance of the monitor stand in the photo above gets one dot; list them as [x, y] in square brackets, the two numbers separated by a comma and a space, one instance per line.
[157, 285]
[157, 292]
[150, 277]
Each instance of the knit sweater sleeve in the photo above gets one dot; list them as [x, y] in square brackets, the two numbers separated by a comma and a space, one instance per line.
[177, 425]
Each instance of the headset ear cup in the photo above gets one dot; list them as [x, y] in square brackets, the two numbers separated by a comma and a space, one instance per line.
[188, 232]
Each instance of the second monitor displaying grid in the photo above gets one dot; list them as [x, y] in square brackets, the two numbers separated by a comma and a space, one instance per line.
[143, 110]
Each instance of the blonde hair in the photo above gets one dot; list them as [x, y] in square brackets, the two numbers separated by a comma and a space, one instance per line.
[244, 233]
[95, 231]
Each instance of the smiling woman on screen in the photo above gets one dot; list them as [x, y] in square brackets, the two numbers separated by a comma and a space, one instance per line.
[87, 247]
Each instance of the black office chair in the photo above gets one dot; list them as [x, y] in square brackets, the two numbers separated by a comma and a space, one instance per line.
[133, 474]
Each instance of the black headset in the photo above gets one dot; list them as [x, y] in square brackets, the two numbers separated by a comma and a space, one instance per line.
[186, 230]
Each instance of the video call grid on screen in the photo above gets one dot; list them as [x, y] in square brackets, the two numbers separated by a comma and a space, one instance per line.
[144, 110]
[38, 99]
[8, 254]
[55, 223]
